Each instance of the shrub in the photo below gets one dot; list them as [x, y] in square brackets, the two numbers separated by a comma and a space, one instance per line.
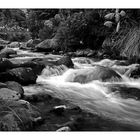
[81, 30]
[130, 44]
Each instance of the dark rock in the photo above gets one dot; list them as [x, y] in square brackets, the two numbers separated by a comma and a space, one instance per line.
[16, 87]
[36, 66]
[58, 110]
[6, 52]
[125, 91]
[134, 72]
[38, 97]
[24, 76]
[95, 73]
[44, 61]
[2, 47]
[47, 45]
[17, 116]
[5, 64]
[66, 60]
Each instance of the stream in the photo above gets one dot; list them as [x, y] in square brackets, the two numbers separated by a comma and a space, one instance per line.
[95, 96]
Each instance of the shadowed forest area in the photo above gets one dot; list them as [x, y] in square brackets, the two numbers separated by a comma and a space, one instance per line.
[105, 33]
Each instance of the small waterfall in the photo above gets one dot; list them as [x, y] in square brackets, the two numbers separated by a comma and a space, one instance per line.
[54, 70]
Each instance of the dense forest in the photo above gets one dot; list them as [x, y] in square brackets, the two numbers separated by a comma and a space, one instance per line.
[100, 32]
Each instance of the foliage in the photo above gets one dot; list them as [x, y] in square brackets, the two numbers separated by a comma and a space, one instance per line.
[36, 18]
[116, 16]
[130, 44]
[12, 17]
[14, 33]
[81, 30]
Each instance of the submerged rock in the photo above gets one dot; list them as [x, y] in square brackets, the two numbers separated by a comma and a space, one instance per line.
[95, 73]
[24, 76]
[125, 91]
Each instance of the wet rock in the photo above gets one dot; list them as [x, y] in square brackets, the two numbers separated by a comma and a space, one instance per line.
[44, 61]
[9, 94]
[79, 53]
[6, 52]
[5, 64]
[64, 129]
[125, 91]
[134, 72]
[36, 66]
[14, 45]
[58, 110]
[16, 87]
[38, 97]
[2, 47]
[47, 45]
[66, 60]
[24, 76]
[95, 73]
[17, 116]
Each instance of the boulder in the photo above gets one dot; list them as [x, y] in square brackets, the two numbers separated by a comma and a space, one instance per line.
[24, 76]
[66, 60]
[17, 115]
[47, 45]
[6, 52]
[5, 64]
[8, 94]
[16, 87]
[30, 44]
[36, 66]
[14, 45]
[95, 73]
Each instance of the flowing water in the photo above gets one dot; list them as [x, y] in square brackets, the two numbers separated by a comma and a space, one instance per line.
[94, 96]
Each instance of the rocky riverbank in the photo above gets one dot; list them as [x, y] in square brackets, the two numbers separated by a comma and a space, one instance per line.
[45, 112]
